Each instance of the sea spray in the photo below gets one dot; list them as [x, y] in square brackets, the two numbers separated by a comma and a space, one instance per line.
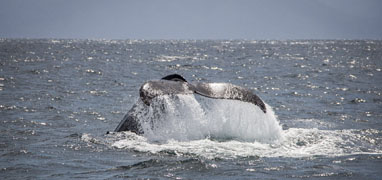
[192, 117]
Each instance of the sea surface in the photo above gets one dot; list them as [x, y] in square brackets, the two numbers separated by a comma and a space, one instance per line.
[58, 98]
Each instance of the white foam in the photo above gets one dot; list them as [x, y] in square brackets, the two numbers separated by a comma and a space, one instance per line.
[226, 129]
[296, 143]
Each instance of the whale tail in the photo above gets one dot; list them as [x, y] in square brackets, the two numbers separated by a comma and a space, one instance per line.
[130, 122]
[228, 91]
[176, 84]
[174, 77]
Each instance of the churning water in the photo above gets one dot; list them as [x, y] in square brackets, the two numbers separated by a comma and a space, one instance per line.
[227, 129]
[58, 98]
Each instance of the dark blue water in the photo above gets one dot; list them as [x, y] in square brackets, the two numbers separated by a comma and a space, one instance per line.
[59, 97]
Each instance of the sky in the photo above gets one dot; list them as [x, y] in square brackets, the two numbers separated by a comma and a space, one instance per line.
[192, 19]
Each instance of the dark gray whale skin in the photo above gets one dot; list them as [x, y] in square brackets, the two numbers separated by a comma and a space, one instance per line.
[176, 84]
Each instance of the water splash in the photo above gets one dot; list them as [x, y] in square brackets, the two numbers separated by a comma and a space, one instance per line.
[296, 143]
[188, 125]
[192, 117]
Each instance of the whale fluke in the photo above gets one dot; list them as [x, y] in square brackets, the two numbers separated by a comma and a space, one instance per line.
[175, 84]
[228, 91]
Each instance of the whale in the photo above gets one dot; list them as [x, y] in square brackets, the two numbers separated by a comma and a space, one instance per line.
[175, 84]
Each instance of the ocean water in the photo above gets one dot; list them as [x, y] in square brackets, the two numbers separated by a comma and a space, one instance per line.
[58, 98]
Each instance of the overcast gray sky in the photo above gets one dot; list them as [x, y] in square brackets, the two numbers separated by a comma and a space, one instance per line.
[192, 19]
